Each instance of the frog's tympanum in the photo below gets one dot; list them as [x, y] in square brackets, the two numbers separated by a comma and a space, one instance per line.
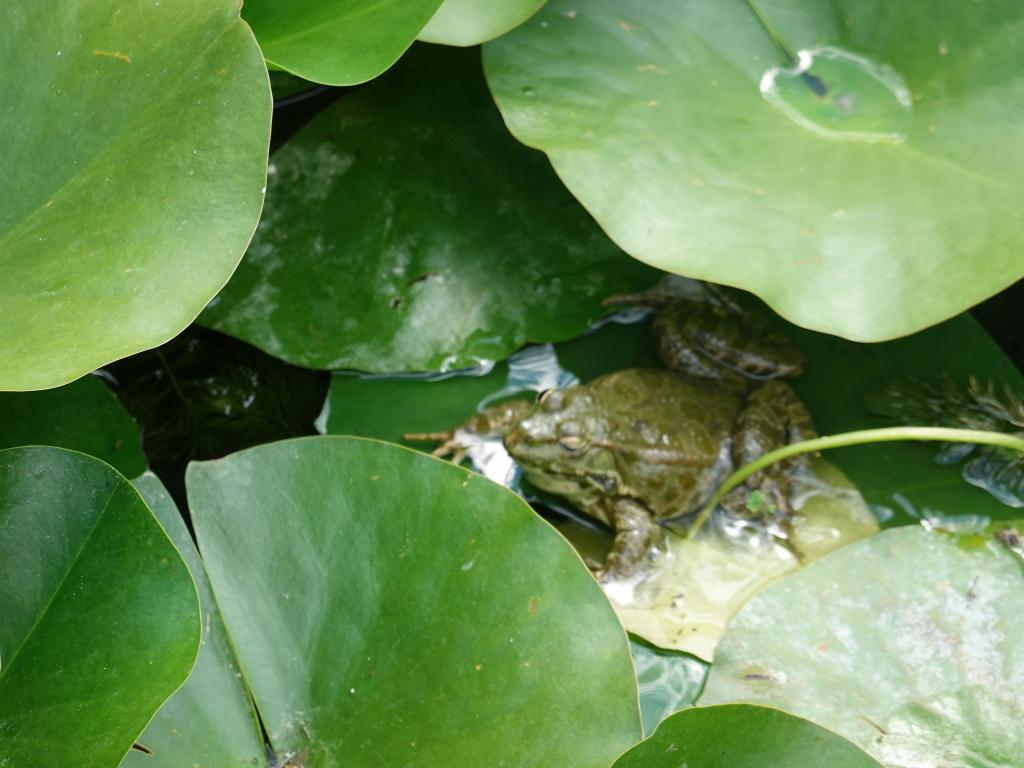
[639, 447]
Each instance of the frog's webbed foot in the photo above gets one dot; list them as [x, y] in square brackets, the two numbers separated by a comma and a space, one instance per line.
[449, 444]
[639, 541]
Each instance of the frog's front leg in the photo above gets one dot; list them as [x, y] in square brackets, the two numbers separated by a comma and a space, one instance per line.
[772, 417]
[639, 539]
[491, 423]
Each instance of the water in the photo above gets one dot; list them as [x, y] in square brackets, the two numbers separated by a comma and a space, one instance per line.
[840, 95]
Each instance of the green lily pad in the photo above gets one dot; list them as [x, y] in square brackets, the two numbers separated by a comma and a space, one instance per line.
[854, 165]
[101, 621]
[410, 611]
[84, 416]
[471, 22]
[209, 722]
[909, 644]
[406, 230]
[742, 736]
[135, 147]
[338, 42]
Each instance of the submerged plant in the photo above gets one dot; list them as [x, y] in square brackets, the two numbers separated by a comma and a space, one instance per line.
[974, 405]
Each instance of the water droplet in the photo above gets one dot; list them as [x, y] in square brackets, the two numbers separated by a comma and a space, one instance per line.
[841, 95]
[528, 90]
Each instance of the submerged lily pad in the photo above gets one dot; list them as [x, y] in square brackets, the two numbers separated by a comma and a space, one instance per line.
[209, 722]
[409, 611]
[338, 42]
[100, 618]
[853, 164]
[134, 158]
[909, 644]
[471, 22]
[742, 736]
[686, 601]
[84, 416]
[406, 230]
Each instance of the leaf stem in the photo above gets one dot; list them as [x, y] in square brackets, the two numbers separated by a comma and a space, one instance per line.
[858, 437]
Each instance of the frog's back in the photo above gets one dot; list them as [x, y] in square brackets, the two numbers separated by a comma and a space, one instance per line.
[670, 433]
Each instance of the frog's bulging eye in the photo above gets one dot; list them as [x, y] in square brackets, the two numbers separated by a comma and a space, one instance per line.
[550, 399]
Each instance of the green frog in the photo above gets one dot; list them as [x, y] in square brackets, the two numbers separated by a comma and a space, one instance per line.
[637, 448]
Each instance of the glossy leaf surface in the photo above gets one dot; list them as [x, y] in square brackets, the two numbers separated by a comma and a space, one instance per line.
[910, 644]
[134, 156]
[410, 611]
[471, 22]
[84, 416]
[406, 230]
[209, 722]
[873, 194]
[101, 621]
[743, 736]
[338, 42]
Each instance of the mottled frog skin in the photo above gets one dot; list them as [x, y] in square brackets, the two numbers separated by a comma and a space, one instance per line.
[638, 447]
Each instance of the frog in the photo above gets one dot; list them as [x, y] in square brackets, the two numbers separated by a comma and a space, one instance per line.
[642, 449]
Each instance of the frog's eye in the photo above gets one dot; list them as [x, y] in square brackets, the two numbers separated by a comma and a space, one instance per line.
[551, 399]
[570, 436]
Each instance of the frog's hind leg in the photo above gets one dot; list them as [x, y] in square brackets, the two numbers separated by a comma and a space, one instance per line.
[639, 540]
[772, 417]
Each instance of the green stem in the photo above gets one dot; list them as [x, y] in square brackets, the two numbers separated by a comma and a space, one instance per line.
[859, 437]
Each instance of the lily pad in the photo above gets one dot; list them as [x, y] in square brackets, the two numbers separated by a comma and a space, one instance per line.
[471, 22]
[742, 736]
[909, 644]
[337, 42]
[84, 416]
[109, 247]
[854, 165]
[406, 230]
[101, 621]
[209, 722]
[409, 611]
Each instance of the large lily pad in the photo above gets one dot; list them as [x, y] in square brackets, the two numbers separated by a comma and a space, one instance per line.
[84, 416]
[870, 196]
[209, 722]
[406, 230]
[100, 617]
[910, 644]
[471, 22]
[338, 42]
[742, 736]
[410, 611]
[134, 156]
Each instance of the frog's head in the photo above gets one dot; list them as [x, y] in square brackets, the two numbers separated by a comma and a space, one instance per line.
[561, 445]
